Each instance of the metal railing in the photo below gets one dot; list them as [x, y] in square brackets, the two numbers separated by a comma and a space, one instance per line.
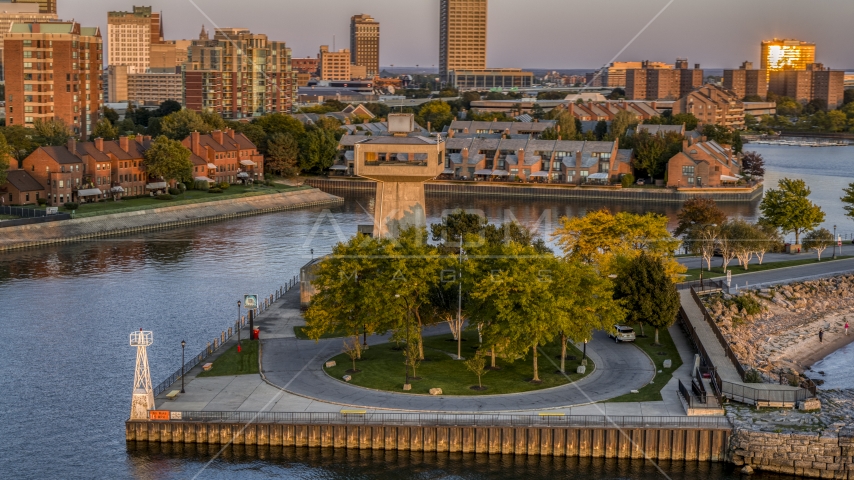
[226, 335]
[707, 286]
[762, 396]
[723, 342]
[23, 212]
[473, 419]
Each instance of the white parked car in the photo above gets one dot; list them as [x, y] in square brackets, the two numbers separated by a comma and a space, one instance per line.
[622, 333]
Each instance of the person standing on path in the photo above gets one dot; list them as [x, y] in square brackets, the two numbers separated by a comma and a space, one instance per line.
[846, 328]
[821, 335]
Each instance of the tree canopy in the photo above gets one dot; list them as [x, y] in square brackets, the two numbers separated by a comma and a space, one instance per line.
[52, 131]
[104, 129]
[282, 154]
[788, 208]
[318, 148]
[648, 292]
[698, 212]
[181, 124]
[753, 165]
[168, 159]
[4, 159]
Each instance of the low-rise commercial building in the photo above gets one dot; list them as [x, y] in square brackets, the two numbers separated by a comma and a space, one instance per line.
[490, 78]
[334, 65]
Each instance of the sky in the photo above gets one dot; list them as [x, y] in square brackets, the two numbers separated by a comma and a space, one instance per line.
[560, 34]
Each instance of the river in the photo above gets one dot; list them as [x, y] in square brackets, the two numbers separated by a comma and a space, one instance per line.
[66, 368]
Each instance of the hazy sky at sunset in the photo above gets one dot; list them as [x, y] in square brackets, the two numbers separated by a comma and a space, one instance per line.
[529, 34]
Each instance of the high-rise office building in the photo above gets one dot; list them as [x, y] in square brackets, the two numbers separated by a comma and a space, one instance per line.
[130, 36]
[746, 81]
[462, 35]
[778, 55]
[44, 6]
[238, 74]
[53, 70]
[365, 43]
[19, 13]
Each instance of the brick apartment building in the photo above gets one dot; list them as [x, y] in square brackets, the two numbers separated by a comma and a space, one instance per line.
[746, 81]
[223, 156]
[334, 65]
[713, 105]
[217, 77]
[53, 70]
[814, 83]
[648, 83]
[21, 189]
[702, 163]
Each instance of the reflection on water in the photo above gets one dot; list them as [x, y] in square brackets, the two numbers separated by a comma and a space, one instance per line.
[66, 367]
[181, 461]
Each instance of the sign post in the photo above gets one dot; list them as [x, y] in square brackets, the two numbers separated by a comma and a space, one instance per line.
[728, 278]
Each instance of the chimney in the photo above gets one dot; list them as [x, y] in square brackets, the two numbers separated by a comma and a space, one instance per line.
[450, 133]
[217, 136]
[194, 143]
[99, 144]
[146, 138]
[428, 127]
[72, 142]
[229, 132]
[123, 143]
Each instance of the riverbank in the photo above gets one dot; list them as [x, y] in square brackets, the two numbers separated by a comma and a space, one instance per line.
[507, 189]
[158, 218]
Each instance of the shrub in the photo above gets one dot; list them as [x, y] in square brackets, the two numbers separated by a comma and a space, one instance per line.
[268, 177]
[749, 304]
[752, 376]
[201, 185]
[180, 186]
[42, 201]
[174, 191]
[224, 186]
[164, 196]
[71, 205]
[270, 183]
[628, 180]
[215, 190]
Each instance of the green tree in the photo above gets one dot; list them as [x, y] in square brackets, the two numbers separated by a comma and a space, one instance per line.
[110, 115]
[648, 292]
[437, 113]
[213, 120]
[601, 129]
[622, 121]
[282, 154]
[168, 107]
[456, 227]
[180, 125]
[648, 151]
[537, 112]
[318, 148]
[5, 154]
[253, 132]
[52, 131]
[20, 141]
[848, 200]
[168, 159]
[280, 123]
[753, 165]
[104, 129]
[688, 119]
[818, 240]
[789, 209]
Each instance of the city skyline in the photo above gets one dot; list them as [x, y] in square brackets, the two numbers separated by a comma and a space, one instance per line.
[411, 31]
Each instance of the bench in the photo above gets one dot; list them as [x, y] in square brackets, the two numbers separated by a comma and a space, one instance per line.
[353, 412]
[207, 366]
[171, 395]
[551, 414]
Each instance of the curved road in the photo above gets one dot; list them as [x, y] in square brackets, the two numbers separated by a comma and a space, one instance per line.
[296, 367]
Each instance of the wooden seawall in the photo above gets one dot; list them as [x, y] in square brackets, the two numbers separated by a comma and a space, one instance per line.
[691, 444]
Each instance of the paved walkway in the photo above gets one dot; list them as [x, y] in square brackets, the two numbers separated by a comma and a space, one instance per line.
[707, 337]
[847, 249]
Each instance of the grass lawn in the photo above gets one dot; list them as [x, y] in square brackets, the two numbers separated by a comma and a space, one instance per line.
[652, 392]
[187, 198]
[9, 217]
[694, 273]
[300, 334]
[233, 363]
[382, 368]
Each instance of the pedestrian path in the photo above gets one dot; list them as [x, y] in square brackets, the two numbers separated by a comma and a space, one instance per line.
[706, 335]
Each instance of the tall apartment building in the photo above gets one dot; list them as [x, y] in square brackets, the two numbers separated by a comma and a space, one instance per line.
[334, 65]
[306, 65]
[814, 83]
[778, 55]
[19, 13]
[365, 43]
[651, 83]
[239, 74]
[462, 35]
[746, 81]
[53, 70]
[614, 75]
[150, 88]
[44, 6]
[169, 54]
[130, 36]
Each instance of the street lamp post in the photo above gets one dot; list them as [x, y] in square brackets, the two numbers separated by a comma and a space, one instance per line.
[835, 243]
[460, 310]
[238, 326]
[183, 344]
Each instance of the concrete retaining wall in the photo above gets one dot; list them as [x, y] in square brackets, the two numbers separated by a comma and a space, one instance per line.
[657, 444]
[157, 218]
[555, 191]
[805, 455]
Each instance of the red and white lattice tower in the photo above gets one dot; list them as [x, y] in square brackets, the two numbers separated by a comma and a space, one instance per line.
[143, 393]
